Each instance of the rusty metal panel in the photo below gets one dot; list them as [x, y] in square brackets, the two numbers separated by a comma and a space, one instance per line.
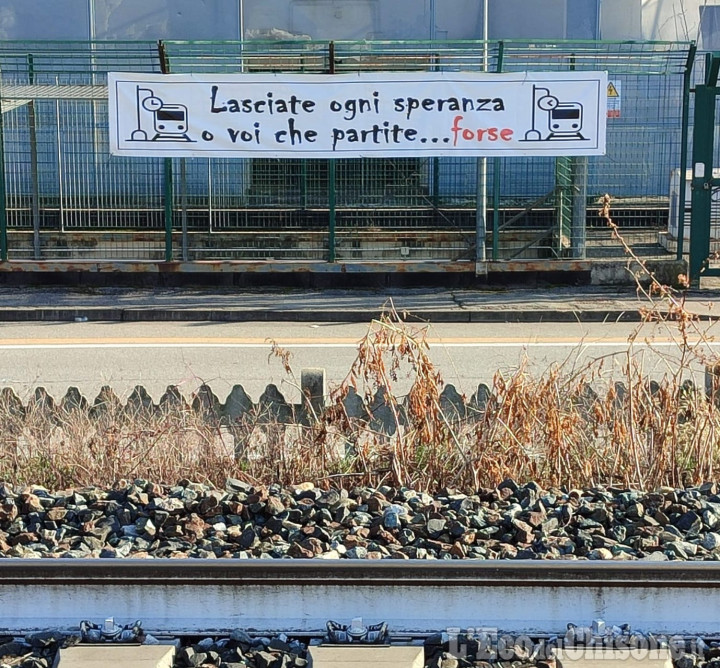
[236, 266]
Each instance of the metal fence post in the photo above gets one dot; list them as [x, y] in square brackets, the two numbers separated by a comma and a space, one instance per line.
[702, 166]
[564, 203]
[481, 180]
[687, 82]
[168, 199]
[496, 209]
[435, 166]
[497, 162]
[578, 232]
[480, 211]
[34, 172]
[702, 161]
[183, 209]
[3, 192]
[564, 184]
[167, 170]
[331, 177]
[331, 206]
[60, 170]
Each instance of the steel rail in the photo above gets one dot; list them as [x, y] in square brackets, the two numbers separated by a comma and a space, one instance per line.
[343, 573]
[216, 596]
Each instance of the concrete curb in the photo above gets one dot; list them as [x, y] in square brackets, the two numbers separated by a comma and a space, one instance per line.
[149, 314]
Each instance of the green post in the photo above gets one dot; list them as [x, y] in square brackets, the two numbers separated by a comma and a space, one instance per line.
[167, 170]
[435, 162]
[331, 175]
[34, 173]
[331, 206]
[496, 209]
[168, 197]
[3, 202]
[702, 167]
[702, 164]
[687, 82]
[563, 186]
[497, 162]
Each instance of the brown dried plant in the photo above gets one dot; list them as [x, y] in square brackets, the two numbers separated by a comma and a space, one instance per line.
[677, 421]
[415, 455]
[571, 424]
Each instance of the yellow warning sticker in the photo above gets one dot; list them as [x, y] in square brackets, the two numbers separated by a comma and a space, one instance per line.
[614, 99]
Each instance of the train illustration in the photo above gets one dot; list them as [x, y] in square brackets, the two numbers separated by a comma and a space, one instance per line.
[564, 119]
[169, 121]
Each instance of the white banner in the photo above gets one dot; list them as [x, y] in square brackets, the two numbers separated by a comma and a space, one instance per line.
[390, 114]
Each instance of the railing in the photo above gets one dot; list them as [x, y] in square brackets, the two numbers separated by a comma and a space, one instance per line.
[66, 198]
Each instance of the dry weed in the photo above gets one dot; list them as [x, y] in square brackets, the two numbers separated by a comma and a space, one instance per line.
[565, 426]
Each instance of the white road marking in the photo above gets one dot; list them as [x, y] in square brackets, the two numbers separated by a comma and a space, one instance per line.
[435, 344]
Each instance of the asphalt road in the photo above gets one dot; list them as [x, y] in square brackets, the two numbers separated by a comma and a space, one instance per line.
[90, 355]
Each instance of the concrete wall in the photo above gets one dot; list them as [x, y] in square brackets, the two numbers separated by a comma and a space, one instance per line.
[156, 19]
[318, 19]
[522, 18]
[119, 19]
[671, 20]
[357, 19]
[683, 21]
[621, 19]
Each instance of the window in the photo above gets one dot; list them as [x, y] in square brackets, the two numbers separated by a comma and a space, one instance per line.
[710, 28]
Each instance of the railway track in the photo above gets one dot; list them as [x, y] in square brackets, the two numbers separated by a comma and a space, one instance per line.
[206, 596]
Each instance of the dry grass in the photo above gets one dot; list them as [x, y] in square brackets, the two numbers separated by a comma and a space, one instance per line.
[59, 449]
[566, 426]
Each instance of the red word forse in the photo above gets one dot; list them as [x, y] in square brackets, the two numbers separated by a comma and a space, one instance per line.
[479, 134]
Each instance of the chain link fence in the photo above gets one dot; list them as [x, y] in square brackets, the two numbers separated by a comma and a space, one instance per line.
[67, 198]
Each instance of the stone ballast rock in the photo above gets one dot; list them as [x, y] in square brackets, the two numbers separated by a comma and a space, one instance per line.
[475, 648]
[142, 519]
[239, 650]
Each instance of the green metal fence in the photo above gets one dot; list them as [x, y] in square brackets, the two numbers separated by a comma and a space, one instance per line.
[67, 198]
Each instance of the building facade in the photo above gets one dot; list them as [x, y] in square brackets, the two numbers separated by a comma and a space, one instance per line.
[672, 20]
[60, 175]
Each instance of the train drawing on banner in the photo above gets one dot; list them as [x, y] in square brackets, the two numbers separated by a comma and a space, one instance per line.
[169, 121]
[564, 118]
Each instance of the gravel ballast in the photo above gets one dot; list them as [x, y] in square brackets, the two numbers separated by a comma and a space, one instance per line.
[441, 650]
[141, 519]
